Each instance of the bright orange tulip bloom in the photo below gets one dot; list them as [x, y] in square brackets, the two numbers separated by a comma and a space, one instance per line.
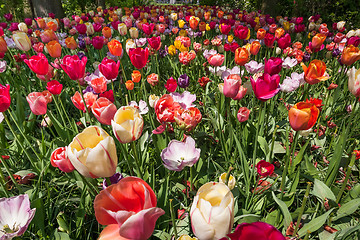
[52, 26]
[136, 76]
[207, 16]
[241, 56]
[260, 34]
[255, 47]
[115, 47]
[318, 40]
[316, 72]
[129, 85]
[279, 32]
[193, 22]
[350, 55]
[303, 116]
[70, 43]
[106, 31]
[220, 14]
[54, 49]
[3, 45]
[41, 23]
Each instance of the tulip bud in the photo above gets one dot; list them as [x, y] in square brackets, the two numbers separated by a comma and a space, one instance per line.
[60, 160]
[231, 182]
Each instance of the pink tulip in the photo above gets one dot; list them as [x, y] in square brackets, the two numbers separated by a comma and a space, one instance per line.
[231, 85]
[216, 60]
[74, 67]
[241, 93]
[109, 68]
[104, 110]
[243, 114]
[37, 102]
[38, 64]
[265, 86]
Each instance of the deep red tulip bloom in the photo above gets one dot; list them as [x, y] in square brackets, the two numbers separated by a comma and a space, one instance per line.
[81, 28]
[256, 230]
[148, 28]
[38, 64]
[225, 28]
[241, 32]
[155, 42]
[97, 42]
[171, 84]
[269, 40]
[74, 67]
[264, 168]
[54, 87]
[273, 65]
[265, 86]
[139, 57]
[284, 41]
[5, 99]
[109, 68]
[108, 94]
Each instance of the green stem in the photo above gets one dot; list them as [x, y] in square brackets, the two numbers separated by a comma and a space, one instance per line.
[287, 158]
[272, 144]
[306, 196]
[137, 162]
[348, 172]
[173, 218]
[83, 99]
[11, 176]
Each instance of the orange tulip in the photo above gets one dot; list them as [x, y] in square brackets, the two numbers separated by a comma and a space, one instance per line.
[303, 116]
[54, 49]
[70, 43]
[279, 32]
[193, 22]
[106, 31]
[115, 47]
[350, 55]
[316, 72]
[136, 76]
[52, 26]
[241, 56]
[202, 26]
[41, 23]
[3, 45]
[261, 33]
[207, 16]
[255, 47]
[129, 85]
[220, 14]
[318, 40]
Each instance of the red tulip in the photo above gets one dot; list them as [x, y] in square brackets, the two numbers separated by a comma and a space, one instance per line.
[284, 41]
[148, 28]
[165, 108]
[241, 32]
[139, 57]
[89, 98]
[5, 99]
[225, 28]
[54, 87]
[256, 230]
[273, 65]
[155, 42]
[269, 40]
[171, 84]
[60, 160]
[243, 114]
[38, 64]
[128, 208]
[108, 94]
[264, 168]
[74, 67]
[265, 86]
[109, 68]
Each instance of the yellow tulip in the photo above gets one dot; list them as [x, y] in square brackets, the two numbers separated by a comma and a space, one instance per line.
[231, 182]
[181, 23]
[172, 50]
[22, 41]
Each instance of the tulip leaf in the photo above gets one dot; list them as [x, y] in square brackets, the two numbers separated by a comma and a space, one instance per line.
[39, 218]
[285, 211]
[347, 209]
[322, 191]
[161, 235]
[325, 235]
[345, 233]
[61, 235]
[263, 145]
[314, 224]
[299, 157]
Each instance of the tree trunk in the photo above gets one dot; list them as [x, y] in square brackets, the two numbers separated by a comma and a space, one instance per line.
[101, 3]
[270, 7]
[43, 7]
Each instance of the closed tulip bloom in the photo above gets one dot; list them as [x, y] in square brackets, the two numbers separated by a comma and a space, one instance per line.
[139, 57]
[231, 85]
[225, 28]
[317, 40]
[256, 230]
[81, 28]
[38, 64]
[255, 47]
[260, 33]
[106, 32]
[269, 40]
[273, 65]
[241, 32]
[127, 124]
[109, 68]
[54, 49]
[122, 28]
[216, 60]
[128, 208]
[136, 76]
[129, 85]
[89, 28]
[22, 41]
[71, 43]
[74, 67]
[193, 22]
[37, 103]
[23, 27]
[265, 86]
[303, 116]
[93, 153]
[98, 42]
[153, 79]
[5, 99]
[241, 56]
[354, 81]
[155, 43]
[3, 45]
[316, 72]
[60, 160]
[104, 110]
[179, 154]
[54, 87]
[243, 114]
[285, 41]
[212, 211]
[350, 55]
[115, 47]
[134, 32]
[48, 35]
[148, 28]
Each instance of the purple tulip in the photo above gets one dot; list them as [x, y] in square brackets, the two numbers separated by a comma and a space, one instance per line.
[178, 154]
[254, 67]
[183, 81]
[113, 179]
[15, 215]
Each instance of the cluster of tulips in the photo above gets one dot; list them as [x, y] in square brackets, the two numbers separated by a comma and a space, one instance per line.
[163, 80]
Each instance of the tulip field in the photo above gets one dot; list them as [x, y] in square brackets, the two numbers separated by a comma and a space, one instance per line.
[179, 122]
